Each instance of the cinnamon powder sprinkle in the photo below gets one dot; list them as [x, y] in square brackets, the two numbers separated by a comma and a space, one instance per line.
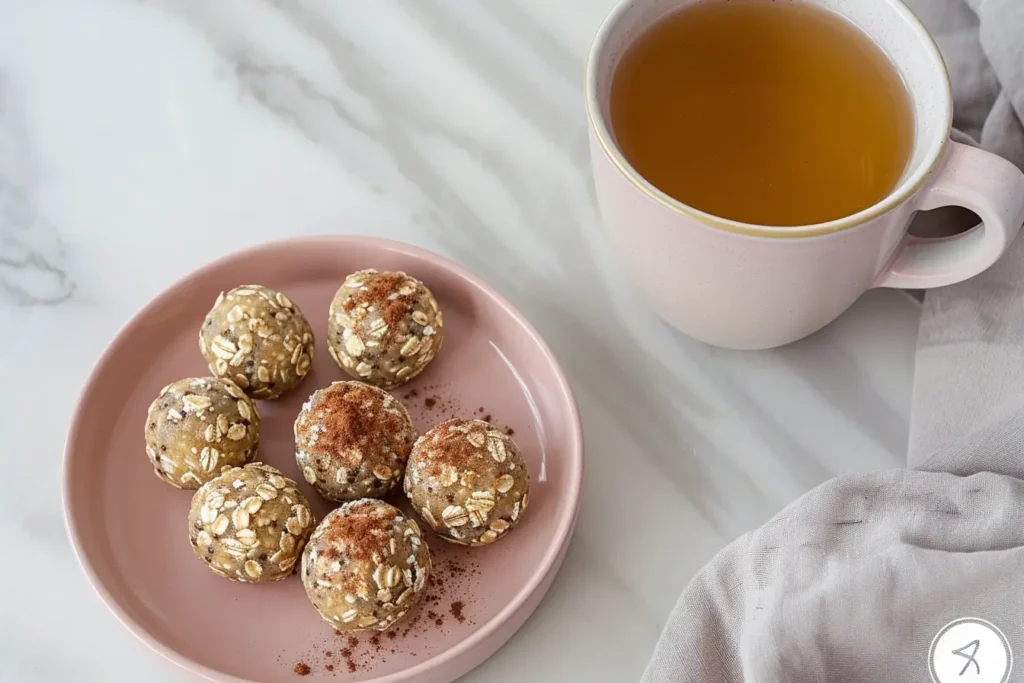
[379, 287]
[443, 446]
[302, 669]
[366, 529]
[337, 424]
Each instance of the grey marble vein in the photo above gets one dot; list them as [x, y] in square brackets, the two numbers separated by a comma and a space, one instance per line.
[32, 257]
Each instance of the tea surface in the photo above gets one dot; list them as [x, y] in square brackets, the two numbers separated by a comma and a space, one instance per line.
[772, 113]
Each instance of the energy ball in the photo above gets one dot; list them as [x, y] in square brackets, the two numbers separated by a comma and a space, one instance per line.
[384, 328]
[365, 566]
[258, 339]
[352, 441]
[468, 480]
[250, 524]
[198, 427]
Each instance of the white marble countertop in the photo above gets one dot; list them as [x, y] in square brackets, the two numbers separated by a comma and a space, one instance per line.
[139, 140]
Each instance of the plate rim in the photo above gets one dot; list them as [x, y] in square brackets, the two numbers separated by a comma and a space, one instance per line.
[465, 649]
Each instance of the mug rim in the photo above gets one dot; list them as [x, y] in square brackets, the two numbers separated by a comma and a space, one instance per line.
[906, 189]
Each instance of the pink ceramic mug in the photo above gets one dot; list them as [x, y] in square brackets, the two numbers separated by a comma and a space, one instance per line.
[752, 287]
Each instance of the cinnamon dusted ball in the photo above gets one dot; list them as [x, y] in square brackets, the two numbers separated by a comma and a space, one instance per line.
[199, 426]
[259, 339]
[468, 480]
[250, 524]
[365, 566]
[384, 328]
[352, 441]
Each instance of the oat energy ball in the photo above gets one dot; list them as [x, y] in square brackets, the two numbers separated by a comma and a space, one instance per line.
[365, 566]
[199, 426]
[468, 480]
[384, 328]
[352, 441]
[250, 524]
[258, 339]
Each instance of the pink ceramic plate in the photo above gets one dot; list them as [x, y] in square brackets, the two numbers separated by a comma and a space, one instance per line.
[129, 529]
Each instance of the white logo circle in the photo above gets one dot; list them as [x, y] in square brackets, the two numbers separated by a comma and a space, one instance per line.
[970, 650]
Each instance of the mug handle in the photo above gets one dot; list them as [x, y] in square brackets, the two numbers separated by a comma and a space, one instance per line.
[983, 182]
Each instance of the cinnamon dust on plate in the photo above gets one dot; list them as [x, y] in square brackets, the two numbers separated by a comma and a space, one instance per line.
[456, 609]
[446, 595]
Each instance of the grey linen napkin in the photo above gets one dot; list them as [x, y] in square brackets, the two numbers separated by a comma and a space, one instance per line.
[851, 582]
